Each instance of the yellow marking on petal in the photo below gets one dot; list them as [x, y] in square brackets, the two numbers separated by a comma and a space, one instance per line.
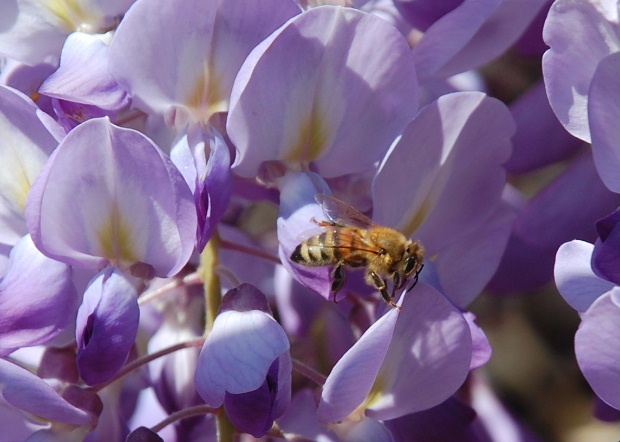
[312, 139]
[69, 14]
[21, 189]
[115, 240]
[207, 96]
[418, 218]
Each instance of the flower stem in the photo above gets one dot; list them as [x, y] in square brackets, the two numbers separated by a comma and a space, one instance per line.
[209, 261]
[309, 372]
[191, 279]
[148, 358]
[197, 410]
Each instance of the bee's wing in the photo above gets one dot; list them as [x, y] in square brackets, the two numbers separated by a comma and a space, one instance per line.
[341, 213]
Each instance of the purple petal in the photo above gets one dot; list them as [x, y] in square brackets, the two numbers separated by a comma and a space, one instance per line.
[603, 115]
[451, 158]
[428, 359]
[576, 281]
[26, 145]
[352, 378]
[606, 255]
[329, 84]
[37, 298]
[204, 160]
[107, 325]
[237, 354]
[571, 203]
[481, 348]
[586, 31]
[449, 421]
[466, 267]
[423, 13]
[598, 357]
[540, 139]
[254, 412]
[119, 201]
[203, 48]
[363, 430]
[298, 206]
[30, 393]
[83, 75]
[470, 35]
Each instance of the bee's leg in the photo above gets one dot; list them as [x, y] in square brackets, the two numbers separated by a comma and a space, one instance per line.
[338, 279]
[322, 223]
[417, 274]
[382, 286]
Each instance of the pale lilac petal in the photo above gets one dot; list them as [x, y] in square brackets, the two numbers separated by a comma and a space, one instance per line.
[107, 325]
[37, 298]
[83, 74]
[586, 31]
[237, 354]
[603, 115]
[574, 278]
[119, 200]
[25, 146]
[470, 35]
[33, 31]
[597, 354]
[27, 80]
[331, 83]
[26, 391]
[469, 263]
[196, 58]
[353, 377]
[450, 157]
[428, 359]
[481, 348]
[300, 418]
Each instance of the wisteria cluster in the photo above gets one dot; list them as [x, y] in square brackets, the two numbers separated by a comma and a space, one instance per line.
[161, 161]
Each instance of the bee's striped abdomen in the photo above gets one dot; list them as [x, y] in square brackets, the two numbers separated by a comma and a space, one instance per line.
[318, 250]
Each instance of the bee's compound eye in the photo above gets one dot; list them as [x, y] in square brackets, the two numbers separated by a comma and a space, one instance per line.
[410, 264]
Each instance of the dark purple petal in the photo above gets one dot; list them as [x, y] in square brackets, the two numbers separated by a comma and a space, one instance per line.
[450, 421]
[143, 434]
[571, 203]
[254, 412]
[603, 116]
[606, 254]
[574, 278]
[597, 354]
[30, 393]
[540, 139]
[107, 325]
[37, 298]
[470, 35]
[423, 13]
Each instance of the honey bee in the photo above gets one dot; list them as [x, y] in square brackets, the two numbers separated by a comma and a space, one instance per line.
[351, 239]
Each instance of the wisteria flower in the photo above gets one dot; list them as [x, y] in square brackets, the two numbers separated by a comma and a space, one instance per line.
[119, 201]
[245, 364]
[597, 299]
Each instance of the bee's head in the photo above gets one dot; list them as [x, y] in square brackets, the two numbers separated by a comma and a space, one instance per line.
[412, 259]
